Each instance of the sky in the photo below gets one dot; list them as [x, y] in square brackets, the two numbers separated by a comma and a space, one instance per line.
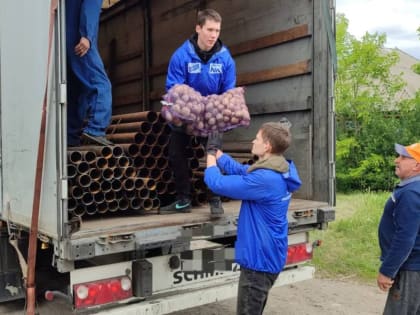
[398, 19]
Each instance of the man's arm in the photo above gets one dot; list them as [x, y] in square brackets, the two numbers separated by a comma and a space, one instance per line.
[90, 11]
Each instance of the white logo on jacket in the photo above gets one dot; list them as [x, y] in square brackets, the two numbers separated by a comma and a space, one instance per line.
[216, 68]
[194, 67]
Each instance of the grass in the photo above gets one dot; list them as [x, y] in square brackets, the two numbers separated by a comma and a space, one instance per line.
[350, 244]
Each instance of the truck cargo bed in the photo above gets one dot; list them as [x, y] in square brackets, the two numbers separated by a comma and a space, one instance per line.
[133, 222]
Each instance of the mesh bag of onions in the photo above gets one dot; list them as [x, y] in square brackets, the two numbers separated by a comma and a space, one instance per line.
[183, 105]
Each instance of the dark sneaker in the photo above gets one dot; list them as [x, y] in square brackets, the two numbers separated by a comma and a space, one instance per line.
[216, 208]
[179, 206]
[98, 140]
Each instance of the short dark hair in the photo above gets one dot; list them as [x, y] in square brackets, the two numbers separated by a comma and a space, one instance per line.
[278, 135]
[208, 14]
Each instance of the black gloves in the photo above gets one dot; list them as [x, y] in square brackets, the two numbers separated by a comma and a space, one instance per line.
[214, 143]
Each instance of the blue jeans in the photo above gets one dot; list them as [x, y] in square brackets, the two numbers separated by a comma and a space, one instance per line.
[253, 290]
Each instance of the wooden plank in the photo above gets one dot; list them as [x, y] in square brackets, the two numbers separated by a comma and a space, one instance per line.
[277, 38]
[275, 73]
[126, 100]
[127, 79]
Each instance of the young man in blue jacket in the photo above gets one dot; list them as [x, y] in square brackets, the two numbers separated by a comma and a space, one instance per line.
[205, 64]
[265, 189]
[89, 89]
[399, 236]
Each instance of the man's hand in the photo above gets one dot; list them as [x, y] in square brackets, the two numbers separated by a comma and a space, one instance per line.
[384, 282]
[82, 47]
[214, 143]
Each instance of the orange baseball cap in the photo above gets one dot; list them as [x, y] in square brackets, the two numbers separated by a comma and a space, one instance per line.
[411, 151]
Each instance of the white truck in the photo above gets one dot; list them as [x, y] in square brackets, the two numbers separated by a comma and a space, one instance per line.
[128, 262]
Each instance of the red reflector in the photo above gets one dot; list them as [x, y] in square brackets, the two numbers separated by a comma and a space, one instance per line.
[101, 292]
[299, 253]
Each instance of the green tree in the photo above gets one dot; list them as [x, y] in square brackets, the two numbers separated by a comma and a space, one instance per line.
[369, 115]
[416, 67]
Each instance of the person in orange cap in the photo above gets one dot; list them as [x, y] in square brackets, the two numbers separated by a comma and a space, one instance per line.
[399, 236]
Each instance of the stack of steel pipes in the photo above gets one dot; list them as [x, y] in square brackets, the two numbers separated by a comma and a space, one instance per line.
[134, 173]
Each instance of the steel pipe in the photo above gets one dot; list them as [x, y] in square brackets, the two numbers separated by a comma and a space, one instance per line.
[128, 184]
[82, 167]
[129, 172]
[95, 187]
[123, 204]
[118, 173]
[79, 211]
[149, 116]
[135, 126]
[99, 197]
[131, 149]
[128, 194]
[107, 173]
[83, 180]
[102, 207]
[71, 171]
[143, 193]
[112, 205]
[95, 174]
[147, 204]
[91, 209]
[98, 150]
[106, 186]
[135, 203]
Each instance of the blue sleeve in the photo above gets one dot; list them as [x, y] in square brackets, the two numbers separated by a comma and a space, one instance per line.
[176, 71]
[229, 81]
[407, 221]
[251, 186]
[231, 166]
[89, 19]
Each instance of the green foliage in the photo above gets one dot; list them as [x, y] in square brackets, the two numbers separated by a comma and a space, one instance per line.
[370, 116]
[350, 244]
[416, 68]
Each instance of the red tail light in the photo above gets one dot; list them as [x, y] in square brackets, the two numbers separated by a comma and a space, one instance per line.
[299, 253]
[102, 292]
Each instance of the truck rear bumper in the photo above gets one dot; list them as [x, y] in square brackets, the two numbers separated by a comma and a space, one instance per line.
[221, 290]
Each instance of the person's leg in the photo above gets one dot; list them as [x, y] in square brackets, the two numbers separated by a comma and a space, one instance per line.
[178, 161]
[178, 143]
[403, 297]
[215, 202]
[101, 94]
[253, 288]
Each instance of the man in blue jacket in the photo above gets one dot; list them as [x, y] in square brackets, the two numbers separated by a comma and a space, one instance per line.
[265, 189]
[205, 64]
[89, 89]
[399, 236]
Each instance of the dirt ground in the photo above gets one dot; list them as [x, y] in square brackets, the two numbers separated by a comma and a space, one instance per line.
[316, 296]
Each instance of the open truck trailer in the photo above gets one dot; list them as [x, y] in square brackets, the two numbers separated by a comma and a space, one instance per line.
[136, 261]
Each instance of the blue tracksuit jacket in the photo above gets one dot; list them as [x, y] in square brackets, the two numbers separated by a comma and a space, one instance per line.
[214, 77]
[265, 192]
